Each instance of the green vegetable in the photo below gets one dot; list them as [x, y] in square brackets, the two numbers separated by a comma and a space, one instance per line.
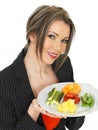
[87, 100]
[54, 97]
[57, 97]
[51, 94]
[85, 97]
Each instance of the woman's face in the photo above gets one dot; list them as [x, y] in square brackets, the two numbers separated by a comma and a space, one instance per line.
[56, 41]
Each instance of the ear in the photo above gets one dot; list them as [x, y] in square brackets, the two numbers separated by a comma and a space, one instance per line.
[31, 37]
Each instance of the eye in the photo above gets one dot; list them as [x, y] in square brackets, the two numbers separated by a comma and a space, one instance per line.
[65, 41]
[51, 36]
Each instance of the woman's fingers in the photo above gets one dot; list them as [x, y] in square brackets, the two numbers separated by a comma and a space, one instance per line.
[37, 107]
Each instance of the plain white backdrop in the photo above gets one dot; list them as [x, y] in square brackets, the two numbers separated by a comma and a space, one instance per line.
[83, 53]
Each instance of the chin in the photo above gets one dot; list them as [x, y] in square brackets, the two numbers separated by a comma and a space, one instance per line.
[50, 63]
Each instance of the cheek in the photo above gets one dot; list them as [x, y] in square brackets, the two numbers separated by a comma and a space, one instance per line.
[47, 44]
[64, 47]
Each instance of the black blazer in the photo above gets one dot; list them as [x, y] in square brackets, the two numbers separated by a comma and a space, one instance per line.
[16, 96]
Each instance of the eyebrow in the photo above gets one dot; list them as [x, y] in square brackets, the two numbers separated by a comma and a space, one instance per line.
[56, 34]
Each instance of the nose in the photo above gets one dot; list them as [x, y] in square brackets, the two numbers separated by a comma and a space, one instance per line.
[58, 45]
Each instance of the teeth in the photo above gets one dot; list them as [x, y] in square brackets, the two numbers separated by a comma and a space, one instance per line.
[52, 54]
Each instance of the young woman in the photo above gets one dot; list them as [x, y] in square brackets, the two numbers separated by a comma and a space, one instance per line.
[43, 61]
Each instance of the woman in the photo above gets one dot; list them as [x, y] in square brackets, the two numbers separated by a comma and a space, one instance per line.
[43, 61]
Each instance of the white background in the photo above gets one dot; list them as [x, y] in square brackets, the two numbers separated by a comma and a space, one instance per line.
[83, 53]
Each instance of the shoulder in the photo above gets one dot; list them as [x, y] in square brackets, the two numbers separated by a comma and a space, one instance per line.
[67, 65]
[5, 79]
[66, 71]
[6, 73]
[67, 61]
[9, 73]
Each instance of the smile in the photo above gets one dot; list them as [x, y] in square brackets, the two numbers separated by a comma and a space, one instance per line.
[52, 55]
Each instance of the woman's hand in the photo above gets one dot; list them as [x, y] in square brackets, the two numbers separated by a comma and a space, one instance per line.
[34, 110]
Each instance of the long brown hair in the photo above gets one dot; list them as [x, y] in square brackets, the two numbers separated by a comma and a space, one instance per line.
[39, 23]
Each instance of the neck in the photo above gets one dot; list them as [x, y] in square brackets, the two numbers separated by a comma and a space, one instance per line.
[34, 64]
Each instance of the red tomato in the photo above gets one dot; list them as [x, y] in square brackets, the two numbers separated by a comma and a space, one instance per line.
[71, 95]
[77, 99]
[65, 98]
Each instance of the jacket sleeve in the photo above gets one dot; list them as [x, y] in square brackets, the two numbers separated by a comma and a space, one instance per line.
[8, 119]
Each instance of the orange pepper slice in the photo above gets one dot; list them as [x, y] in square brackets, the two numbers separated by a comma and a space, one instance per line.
[71, 87]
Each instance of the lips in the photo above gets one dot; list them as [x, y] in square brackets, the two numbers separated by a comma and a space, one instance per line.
[52, 55]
